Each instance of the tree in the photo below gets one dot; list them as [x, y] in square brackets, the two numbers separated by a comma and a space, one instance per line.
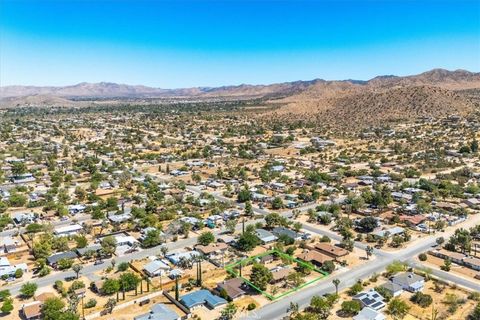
[369, 251]
[81, 241]
[351, 308]
[64, 264]
[368, 224]
[206, 238]
[260, 276]
[398, 308]
[77, 268]
[248, 241]
[7, 305]
[440, 240]
[320, 307]
[123, 266]
[18, 168]
[474, 147]
[129, 281]
[110, 286]
[475, 315]
[111, 303]
[28, 289]
[336, 283]
[297, 226]
[52, 308]
[18, 273]
[395, 267]
[355, 289]
[423, 300]
[277, 203]
[109, 245]
[228, 312]
[274, 220]
[248, 209]
[231, 225]
[4, 294]
[152, 238]
[328, 266]
[447, 263]
[422, 257]
[244, 195]
[296, 279]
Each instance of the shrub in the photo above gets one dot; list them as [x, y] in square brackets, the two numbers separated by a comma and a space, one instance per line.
[355, 289]
[122, 266]
[422, 257]
[423, 300]
[18, 273]
[251, 306]
[351, 308]
[91, 303]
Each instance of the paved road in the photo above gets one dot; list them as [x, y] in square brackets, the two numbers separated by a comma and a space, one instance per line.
[278, 309]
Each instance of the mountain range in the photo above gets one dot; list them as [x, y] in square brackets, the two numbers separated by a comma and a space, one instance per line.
[438, 92]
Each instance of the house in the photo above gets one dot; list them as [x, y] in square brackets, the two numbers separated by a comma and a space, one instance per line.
[277, 186]
[119, 218]
[265, 236]
[23, 178]
[369, 314]
[370, 299]
[175, 258]
[8, 270]
[23, 217]
[472, 202]
[266, 259]
[456, 257]
[53, 259]
[67, 230]
[330, 250]
[76, 208]
[282, 231]
[200, 298]
[390, 232]
[314, 257]
[125, 240]
[412, 220]
[8, 244]
[156, 268]
[159, 311]
[472, 262]
[233, 288]
[393, 288]
[93, 248]
[32, 310]
[409, 281]
[213, 248]
[279, 274]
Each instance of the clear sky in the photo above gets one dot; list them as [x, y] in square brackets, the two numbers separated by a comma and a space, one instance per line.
[180, 43]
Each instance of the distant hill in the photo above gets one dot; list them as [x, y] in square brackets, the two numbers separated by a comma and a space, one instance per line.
[434, 93]
[437, 92]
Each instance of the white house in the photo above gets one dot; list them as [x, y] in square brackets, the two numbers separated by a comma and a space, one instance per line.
[67, 230]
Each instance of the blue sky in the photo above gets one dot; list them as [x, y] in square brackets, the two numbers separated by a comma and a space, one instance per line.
[180, 43]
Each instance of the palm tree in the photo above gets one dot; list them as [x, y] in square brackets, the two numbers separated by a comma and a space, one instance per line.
[336, 283]
[198, 260]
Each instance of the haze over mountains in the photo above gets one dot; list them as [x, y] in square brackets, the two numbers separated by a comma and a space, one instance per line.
[434, 93]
